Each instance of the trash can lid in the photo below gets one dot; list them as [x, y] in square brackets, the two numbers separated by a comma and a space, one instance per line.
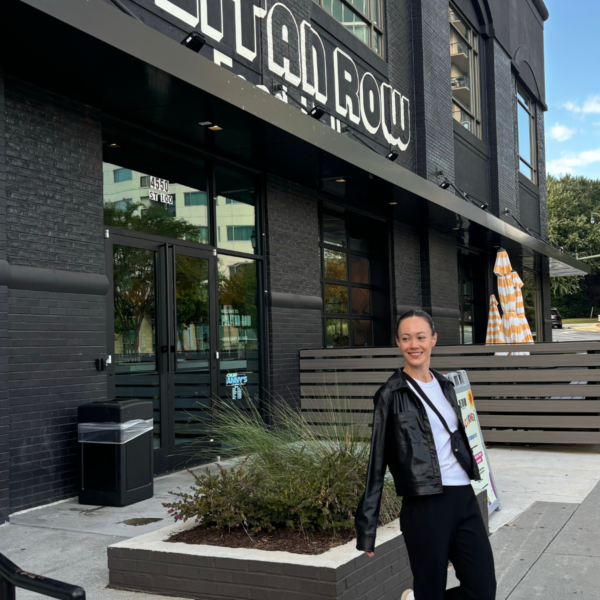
[114, 411]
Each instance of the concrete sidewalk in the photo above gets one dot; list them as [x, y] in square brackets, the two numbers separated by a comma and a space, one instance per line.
[547, 536]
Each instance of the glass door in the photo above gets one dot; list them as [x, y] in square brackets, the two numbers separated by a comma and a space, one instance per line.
[192, 355]
[163, 307]
[137, 337]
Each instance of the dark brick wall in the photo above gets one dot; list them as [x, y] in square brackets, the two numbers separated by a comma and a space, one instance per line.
[54, 187]
[433, 101]
[4, 397]
[439, 284]
[399, 37]
[54, 220]
[502, 132]
[53, 339]
[292, 238]
[406, 268]
[293, 268]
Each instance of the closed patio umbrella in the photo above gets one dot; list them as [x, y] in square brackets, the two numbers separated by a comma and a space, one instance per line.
[511, 326]
[494, 334]
[518, 284]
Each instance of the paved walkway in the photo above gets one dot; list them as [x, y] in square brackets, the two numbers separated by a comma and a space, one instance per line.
[546, 540]
[569, 334]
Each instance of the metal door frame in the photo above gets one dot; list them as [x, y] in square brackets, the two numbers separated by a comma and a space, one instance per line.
[166, 251]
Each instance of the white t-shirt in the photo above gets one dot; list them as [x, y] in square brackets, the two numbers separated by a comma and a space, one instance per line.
[452, 472]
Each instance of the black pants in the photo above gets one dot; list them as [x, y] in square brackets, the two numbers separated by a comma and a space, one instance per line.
[444, 527]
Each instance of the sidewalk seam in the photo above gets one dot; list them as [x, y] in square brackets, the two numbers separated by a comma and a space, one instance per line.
[124, 537]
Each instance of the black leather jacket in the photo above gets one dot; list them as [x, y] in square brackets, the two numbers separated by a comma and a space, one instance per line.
[403, 441]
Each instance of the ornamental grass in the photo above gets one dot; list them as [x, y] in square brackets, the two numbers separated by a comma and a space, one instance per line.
[287, 473]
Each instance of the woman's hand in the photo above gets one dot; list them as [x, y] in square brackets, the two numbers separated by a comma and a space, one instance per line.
[370, 554]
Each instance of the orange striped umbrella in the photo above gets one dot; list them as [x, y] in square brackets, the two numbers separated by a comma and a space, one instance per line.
[502, 266]
[512, 328]
[518, 284]
[494, 335]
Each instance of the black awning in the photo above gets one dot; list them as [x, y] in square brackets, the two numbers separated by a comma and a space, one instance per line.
[92, 52]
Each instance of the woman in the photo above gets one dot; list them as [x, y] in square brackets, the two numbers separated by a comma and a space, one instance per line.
[440, 517]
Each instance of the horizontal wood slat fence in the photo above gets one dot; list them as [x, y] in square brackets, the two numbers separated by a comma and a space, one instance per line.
[551, 396]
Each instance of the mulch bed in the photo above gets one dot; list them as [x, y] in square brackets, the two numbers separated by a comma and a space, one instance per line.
[284, 540]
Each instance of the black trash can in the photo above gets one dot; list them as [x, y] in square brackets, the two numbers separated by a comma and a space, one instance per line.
[116, 452]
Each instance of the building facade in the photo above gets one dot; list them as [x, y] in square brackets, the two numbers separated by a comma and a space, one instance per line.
[177, 220]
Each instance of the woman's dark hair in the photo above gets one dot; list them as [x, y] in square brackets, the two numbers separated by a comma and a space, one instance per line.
[416, 313]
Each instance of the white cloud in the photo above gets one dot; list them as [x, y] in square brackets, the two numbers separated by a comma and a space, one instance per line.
[590, 106]
[572, 163]
[561, 133]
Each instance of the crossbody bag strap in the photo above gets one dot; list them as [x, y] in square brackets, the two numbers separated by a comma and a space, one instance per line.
[426, 399]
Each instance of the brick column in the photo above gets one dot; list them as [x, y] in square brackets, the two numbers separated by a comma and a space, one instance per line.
[439, 284]
[504, 159]
[433, 98]
[294, 283]
[4, 398]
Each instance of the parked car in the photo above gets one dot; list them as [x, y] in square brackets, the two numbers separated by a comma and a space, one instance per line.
[556, 318]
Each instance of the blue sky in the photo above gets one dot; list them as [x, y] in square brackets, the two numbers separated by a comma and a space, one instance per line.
[572, 37]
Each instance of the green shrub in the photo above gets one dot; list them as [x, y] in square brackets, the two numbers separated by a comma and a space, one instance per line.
[292, 476]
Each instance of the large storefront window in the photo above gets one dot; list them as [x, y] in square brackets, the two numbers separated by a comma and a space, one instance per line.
[184, 305]
[464, 57]
[236, 211]
[152, 189]
[350, 253]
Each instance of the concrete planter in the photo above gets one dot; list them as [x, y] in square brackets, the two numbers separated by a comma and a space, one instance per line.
[150, 564]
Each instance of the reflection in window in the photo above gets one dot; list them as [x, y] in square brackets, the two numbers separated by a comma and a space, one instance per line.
[336, 333]
[180, 213]
[123, 204]
[334, 231]
[362, 332]
[241, 233]
[191, 380]
[348, 262]
[194, 199]
[359, 269]
[336, 299]
[335, 265]
[360, 17]
[120, 175]
[527, 137]
[134, 288]
[238, 326]
[361, 301]
[464, 57]
[236, 211]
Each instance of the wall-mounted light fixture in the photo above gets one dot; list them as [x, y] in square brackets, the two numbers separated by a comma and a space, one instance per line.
[393, 155]
[194, 41]
[317, 112]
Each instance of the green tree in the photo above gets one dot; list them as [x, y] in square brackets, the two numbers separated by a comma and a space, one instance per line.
[571, 201]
